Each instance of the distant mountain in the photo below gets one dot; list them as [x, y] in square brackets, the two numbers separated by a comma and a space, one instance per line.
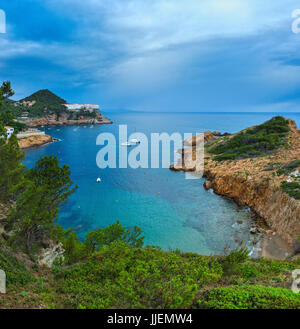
[44, 96]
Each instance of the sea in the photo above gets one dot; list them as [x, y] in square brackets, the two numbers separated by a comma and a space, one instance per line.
[174, 213]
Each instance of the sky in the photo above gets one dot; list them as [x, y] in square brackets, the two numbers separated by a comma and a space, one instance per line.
[155, 55]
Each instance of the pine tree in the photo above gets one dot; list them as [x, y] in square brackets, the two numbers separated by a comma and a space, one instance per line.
[48, 186]
[11, 169]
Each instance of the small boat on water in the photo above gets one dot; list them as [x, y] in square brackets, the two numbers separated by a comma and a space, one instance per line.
[126, 144]
[134, 141]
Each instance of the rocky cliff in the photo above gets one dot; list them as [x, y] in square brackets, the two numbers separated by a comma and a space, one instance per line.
[65, 119]
[35, 141]
[256, 182]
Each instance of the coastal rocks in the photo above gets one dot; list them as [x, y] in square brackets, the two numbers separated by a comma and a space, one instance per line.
[218, 134]
[35, 141]
[192, 141]
[48, 255]
[64, 119]
[207, 185]
[281, 212]
[182, 168]
[247, 182]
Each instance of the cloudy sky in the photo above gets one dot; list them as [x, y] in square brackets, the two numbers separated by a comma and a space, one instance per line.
[155, 55]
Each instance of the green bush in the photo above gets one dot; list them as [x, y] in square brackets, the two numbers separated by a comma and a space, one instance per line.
[16, 272]
[124, 277]
[292, 189]
[231, 263]
[257, 141]
[249, 297]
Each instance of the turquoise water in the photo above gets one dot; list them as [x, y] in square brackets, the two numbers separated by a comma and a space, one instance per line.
[172, 211]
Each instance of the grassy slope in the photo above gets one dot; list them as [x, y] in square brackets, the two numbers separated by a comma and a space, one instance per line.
[123, 277]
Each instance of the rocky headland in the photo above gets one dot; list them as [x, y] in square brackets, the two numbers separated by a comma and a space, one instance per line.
[64, 119]
[268, 184]
[35, 141]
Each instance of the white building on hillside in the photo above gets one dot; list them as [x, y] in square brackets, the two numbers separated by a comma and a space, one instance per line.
[78, 107]
[9, 131]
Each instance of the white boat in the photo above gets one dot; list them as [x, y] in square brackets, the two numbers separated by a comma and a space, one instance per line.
[126, 144]
[134, 141]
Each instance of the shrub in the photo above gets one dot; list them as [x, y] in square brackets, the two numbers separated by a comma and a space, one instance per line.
[16, 272]
[234, 259]
[249, 297]
[258, 141]
[292, 189]
[125, 277]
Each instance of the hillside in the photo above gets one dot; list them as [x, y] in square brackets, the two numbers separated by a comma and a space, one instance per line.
[119, 276]
[43, 102]
[44, 96]
[258, 167]
[48, 267]
[44, 108]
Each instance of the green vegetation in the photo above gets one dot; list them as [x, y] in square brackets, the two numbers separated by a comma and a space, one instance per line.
[17, 273]
[11, 170]
[292, 189]
[120, 276]
[82, 113]
[46, 102]
[7, 118]
[97, 240]
[288, 168]
[249, 297]
[47, 187]
[43, 102]
[44, 96]
[111, 268]
[258, 141]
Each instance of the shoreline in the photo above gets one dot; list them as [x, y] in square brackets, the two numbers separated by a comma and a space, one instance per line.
[36, 141]
[269, 245]
[248, 183]
[49, 122]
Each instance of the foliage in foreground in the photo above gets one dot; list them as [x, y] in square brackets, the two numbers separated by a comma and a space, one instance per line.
[120, 276]
[257, 141]
[249, 297]
[16, 271]
[76, 250]
[124, 277]
[47, 187]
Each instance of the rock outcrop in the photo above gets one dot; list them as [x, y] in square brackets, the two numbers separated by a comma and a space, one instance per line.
[64, 119]
[280, 211]
[35, 141]
[255, 183]
[208, 136]
[48, 255]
